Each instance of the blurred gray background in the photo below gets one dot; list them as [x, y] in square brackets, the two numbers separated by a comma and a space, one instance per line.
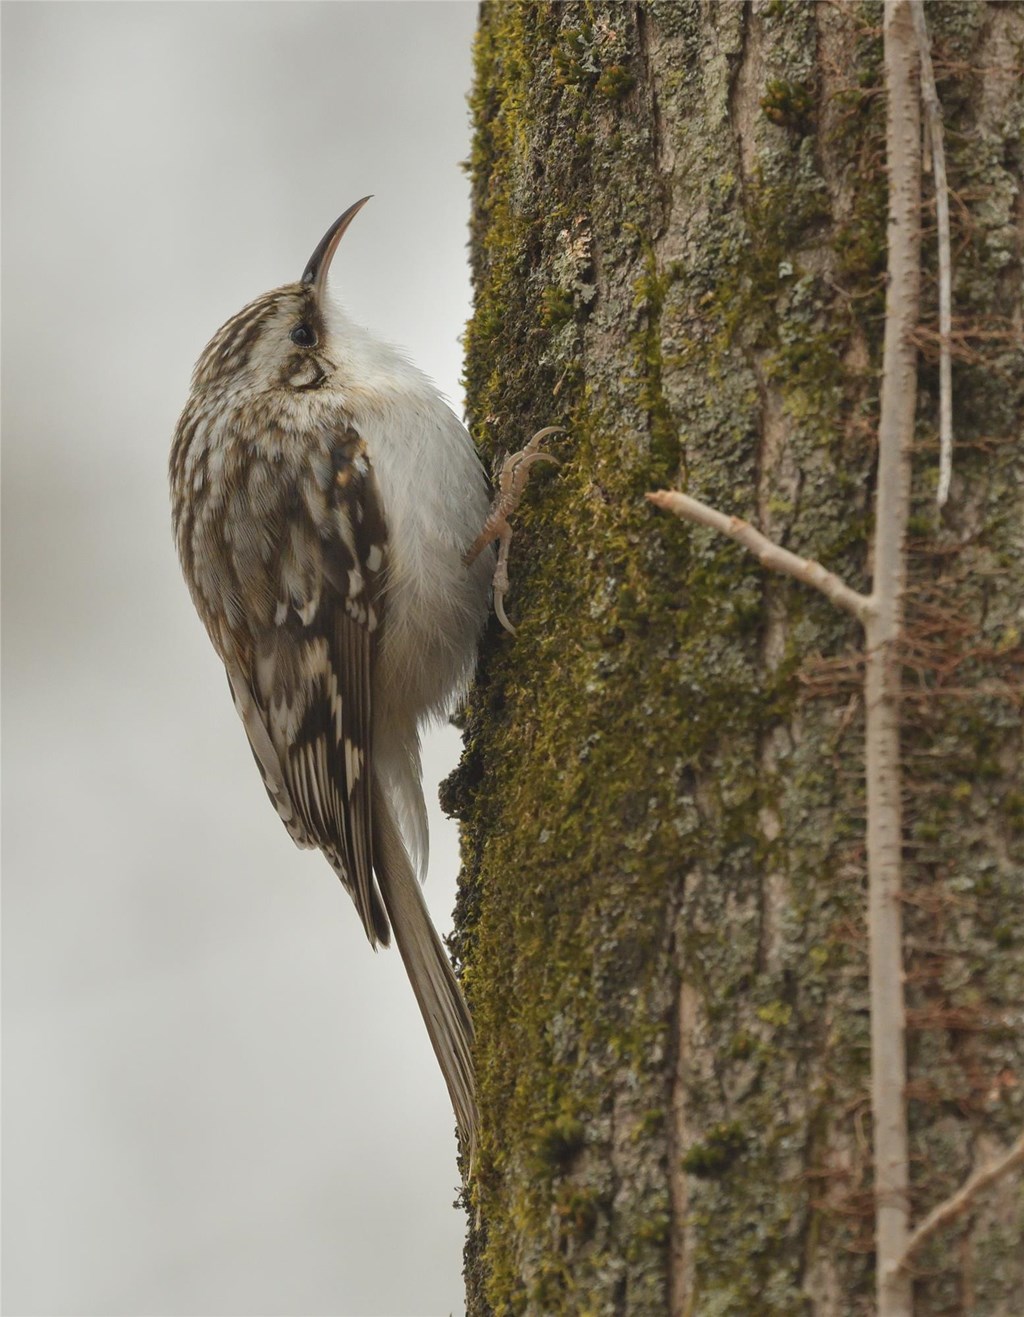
[216, 1098]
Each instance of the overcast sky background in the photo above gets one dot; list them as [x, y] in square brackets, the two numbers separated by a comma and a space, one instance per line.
[216, 1099]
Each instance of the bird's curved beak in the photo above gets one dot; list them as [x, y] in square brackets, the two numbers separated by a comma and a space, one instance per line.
[315, 272]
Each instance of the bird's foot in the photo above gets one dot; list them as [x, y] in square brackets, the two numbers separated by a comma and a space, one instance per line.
[515, 473]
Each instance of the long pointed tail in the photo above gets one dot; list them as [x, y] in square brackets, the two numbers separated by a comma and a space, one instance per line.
[433, 980]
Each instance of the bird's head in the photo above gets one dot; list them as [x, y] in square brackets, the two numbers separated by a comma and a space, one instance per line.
[278, 340]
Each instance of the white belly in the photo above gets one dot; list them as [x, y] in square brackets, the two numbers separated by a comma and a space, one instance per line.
[435, 502]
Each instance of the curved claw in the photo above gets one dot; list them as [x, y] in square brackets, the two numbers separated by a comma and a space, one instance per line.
[512, 480]
[523, 461]
[511, 483]
[499, 612]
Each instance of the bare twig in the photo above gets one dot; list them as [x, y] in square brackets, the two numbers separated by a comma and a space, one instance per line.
[882, 675]
[958, 1203]
[933, 116]
[765, 550]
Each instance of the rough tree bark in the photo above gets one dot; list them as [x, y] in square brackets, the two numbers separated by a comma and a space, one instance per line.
[678, 242]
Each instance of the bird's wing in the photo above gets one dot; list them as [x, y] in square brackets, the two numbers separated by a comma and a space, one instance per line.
[303, 685]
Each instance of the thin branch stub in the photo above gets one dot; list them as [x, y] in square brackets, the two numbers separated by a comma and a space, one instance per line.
[765, 550]
[958, 1203]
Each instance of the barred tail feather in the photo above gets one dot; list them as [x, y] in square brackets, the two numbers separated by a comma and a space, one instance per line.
[433, 980]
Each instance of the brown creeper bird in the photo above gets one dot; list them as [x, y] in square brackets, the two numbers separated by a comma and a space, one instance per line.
[326, 508]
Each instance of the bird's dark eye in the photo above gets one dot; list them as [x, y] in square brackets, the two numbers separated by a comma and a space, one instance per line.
[303, 335]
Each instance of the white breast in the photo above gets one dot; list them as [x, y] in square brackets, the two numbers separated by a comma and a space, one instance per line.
[434, 493]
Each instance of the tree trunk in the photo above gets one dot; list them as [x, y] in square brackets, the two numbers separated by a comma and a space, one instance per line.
[678, 248]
